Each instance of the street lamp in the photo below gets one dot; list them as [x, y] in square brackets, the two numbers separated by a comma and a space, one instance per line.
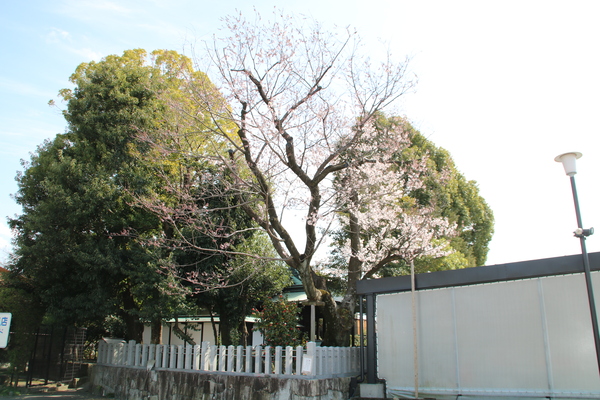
[569, 163]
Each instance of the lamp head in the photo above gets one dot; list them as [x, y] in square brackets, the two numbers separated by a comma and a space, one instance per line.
[569, 162]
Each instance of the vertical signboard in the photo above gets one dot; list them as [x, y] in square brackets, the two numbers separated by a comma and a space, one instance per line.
[4, 329]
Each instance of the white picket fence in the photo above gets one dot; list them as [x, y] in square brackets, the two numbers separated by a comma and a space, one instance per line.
[311, 361]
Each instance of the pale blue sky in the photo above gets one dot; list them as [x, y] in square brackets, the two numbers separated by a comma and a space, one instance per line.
[505, 86]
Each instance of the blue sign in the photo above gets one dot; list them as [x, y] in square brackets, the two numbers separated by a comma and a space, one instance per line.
[4, 329]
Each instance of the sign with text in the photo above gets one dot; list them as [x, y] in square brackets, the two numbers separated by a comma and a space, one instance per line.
[307, 365]
[4, 328]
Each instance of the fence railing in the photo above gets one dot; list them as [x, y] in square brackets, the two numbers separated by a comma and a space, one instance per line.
[311, 361]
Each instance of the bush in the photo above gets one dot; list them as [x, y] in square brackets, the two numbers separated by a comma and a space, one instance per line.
[279, 323]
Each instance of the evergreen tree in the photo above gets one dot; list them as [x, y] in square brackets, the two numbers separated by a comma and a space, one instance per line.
[79, 236]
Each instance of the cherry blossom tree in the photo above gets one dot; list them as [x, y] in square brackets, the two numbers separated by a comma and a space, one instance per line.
[381, 218]
[305, 155]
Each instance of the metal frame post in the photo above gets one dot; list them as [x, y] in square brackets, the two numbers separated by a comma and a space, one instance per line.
[588, 275]
[371, 340]
[361, 331]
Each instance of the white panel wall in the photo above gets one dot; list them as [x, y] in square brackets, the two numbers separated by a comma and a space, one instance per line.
[516, 338]
[570, 336]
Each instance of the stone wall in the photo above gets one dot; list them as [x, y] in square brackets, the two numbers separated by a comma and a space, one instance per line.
[127, 383]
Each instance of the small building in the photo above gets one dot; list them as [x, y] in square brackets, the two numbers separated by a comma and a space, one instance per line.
[199, 328]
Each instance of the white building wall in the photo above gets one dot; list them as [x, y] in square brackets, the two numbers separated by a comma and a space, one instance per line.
[200, 332]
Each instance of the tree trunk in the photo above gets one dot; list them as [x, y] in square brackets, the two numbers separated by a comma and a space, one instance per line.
[214, 326]
[156, 335]
[243, 329]
[134, 328]
[244, 333]
[337, 318]
[338, 321]
[225, 328]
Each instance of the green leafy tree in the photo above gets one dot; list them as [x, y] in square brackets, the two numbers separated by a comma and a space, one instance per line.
[279, 323]
[61, 248]
[450, 195]
[80, 239]
[457, 199]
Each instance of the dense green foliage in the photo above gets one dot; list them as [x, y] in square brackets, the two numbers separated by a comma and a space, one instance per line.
[455, 198]
[279, 323]
[79, 237]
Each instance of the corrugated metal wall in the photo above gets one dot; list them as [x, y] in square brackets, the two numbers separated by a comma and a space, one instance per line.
[525, 338]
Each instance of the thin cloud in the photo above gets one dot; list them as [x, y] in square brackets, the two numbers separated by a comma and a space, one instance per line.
[87, 53]
[57, 36]
[86, 10]
[106, 6]
[161, 28]
[13, 87]
[67, 42]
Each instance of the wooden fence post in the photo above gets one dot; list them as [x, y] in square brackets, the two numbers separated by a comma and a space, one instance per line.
[248, 359]
[214, 354]
[173, 357]
[204, 357]
[258, 359]
[158, 355]
[239, 359]
[277, 360]
[289, 359]
[180, 353]
[165, 356]
[230, 358]
[144, 355]
[299, 354]
[121, 354]
[188, 356]
[197, 352]
[268, 360]
[130, 350]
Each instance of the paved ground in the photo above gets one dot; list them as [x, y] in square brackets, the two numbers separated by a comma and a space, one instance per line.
[63, 394]
[52, 392]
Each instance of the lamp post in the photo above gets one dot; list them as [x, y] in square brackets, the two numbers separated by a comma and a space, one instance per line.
[569, 163]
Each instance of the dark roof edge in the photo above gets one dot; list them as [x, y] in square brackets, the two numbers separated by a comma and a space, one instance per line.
[478, 275]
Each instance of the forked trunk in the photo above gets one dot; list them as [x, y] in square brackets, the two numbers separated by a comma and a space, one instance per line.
[337, 318]
[338, 322]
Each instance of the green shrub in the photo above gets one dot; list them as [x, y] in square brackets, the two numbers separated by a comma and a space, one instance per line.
[279, 323]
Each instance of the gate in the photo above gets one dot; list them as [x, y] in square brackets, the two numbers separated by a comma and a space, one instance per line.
[57, 355]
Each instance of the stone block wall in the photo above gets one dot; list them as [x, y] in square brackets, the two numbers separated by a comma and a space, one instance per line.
[127, 383]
